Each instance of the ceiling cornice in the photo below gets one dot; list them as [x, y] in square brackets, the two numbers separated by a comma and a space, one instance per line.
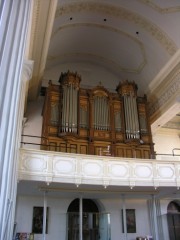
[41, 30]
[157, 8]
[124, 14]
[170, 68]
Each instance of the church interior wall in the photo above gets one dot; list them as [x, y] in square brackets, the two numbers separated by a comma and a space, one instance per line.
[57, 215]
[166, 140]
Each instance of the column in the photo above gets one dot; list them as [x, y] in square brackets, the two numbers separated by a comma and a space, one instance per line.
[80, 218]
[14, 17]
[155, 223]
[44, 216]
[124, 217]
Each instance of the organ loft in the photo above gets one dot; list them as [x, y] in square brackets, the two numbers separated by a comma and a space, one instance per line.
[96, 121]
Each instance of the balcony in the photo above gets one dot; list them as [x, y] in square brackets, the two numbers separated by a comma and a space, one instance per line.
[58, 167]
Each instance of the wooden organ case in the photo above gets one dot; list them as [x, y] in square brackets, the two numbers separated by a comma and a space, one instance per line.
[96, 121]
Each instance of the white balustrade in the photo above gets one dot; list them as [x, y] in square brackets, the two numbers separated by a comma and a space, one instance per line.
[86, 169]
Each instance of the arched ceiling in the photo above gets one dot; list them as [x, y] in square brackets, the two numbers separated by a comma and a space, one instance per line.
[104, 41]
[130, 39]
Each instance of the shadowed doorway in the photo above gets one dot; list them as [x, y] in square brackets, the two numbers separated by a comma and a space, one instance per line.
[173, 217]
[90, 220]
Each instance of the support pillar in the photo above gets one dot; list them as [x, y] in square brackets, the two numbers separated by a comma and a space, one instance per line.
[14, 25]
[124, 217]
[44, 216]
[80, 218]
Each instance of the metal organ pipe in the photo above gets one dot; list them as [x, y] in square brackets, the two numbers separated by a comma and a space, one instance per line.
[95, 113]
[106, 119]
[97, 110]
[70, 109]
[69, 83]
[137, 119]
[131, 117]
[126, 116]
[106, 114]
[64, 108]
[75, 109]
[101, 113]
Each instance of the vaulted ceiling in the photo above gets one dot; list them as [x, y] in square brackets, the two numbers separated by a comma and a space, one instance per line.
[104, 41]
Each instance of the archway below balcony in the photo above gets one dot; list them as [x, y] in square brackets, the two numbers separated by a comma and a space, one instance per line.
[173, 218]
[90, 220]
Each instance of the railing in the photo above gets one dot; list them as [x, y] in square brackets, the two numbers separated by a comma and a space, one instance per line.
[79, 169]
[66, 148]
[50, 147]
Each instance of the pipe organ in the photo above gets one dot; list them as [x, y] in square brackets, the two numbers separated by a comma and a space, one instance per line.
[128, 91]
[69, 102]
[96, 121]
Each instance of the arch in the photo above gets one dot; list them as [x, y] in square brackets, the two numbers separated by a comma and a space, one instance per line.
[90, 220]
[173, 219]
[173, 206]
[89, 206]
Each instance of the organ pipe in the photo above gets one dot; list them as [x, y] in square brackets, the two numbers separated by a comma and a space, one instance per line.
[101, 113]
[91, 119]
[129, 93]
[70, 87]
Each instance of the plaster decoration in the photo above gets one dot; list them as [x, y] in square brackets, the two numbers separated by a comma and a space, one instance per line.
[35, 164]
[124, 14]
[97, 170]
[92, 169]
[28, 69]
[34, 25]
[39, 40]
[166, 171]
[170, 69]
[99, 58]
[48, 33]
[168, 93]
[118, 170]
[143, 171]
[157, 8]
[64, 166]
[172, 125]
[111, 29]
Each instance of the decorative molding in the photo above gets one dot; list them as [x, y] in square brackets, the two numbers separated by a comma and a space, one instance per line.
[171, 90]
[85, 169]
[40, 38]
[170, 68]
[157, 8]
[34, 25]
[99, 58]
[172, 125]
[124, 14]
[28, 69]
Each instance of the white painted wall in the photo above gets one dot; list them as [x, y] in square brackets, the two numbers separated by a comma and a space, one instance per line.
[57, 216]
[33, 123]
[165, 140]
[91, 75]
